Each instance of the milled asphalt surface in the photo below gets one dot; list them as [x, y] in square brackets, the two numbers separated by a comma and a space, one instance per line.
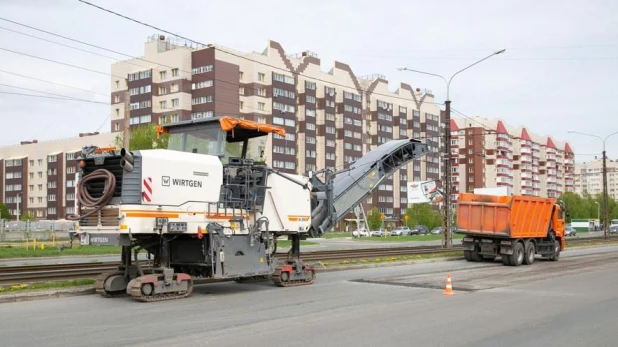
[572, 302]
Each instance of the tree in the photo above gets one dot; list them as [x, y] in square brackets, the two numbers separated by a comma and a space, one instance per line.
[144, 137]
[587, 206]
[4, 212]
[373, 219]
[423, 214]
[27, 216]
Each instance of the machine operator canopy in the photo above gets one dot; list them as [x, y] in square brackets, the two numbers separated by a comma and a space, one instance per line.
[224, 137]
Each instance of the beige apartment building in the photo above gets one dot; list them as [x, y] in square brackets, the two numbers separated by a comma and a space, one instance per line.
[39, 177]
[332, 117]
[589, 177]
[491, 153]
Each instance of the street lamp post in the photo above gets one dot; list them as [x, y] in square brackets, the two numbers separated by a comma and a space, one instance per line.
[604, 173]
[598, 211]
[448, 237]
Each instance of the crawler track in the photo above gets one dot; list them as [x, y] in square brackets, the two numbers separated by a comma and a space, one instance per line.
[41, 273]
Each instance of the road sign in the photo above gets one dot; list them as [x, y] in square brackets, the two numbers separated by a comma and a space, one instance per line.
[405, 217]
[382, 216]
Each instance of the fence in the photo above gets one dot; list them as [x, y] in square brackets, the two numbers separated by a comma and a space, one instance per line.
[38, 225]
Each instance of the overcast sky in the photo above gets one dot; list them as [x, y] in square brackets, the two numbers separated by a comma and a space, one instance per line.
[556, 74]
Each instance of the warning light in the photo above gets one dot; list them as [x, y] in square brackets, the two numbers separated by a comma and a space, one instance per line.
[199, 233]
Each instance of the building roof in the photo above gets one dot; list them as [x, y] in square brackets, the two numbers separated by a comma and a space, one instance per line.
[500, 128]
[524, 135]
[567, 148]
[454, 126]
[550, 143]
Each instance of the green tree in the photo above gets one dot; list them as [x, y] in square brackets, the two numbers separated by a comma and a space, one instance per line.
[144, 137]
[373, 219]
[27, 216]
[4, 212]
[423, 214]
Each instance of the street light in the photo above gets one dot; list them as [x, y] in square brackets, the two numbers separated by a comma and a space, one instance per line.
[448, 237]
[604, 172]
[598, 211]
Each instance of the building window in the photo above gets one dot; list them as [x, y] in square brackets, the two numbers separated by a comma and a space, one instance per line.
[202, 69]
[261, 77]
[175, 73]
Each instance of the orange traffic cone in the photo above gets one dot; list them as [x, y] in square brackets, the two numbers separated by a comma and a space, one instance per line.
[449, 286]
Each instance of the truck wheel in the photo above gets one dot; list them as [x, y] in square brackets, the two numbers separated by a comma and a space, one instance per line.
[468, 255]
[517, 258]
[530, 252]
[506, 259]
[556, 254]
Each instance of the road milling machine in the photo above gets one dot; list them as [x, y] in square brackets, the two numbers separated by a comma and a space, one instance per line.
[208, 207]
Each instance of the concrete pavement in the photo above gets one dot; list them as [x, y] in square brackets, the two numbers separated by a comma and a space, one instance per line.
[573, 306]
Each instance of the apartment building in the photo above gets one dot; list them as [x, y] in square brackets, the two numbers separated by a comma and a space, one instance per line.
[589, 178]
[332, 118]
[40, 176]
[490, 153]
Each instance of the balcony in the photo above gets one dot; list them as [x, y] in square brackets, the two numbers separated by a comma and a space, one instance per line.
[525, 150]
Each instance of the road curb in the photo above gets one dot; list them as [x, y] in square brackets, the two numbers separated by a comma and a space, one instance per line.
[45, 294]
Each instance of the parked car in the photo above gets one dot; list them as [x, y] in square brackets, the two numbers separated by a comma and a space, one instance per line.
[420, 230]
[379, 232]
[360, 233]
[401, 231]
[613, 229]
[569, 231]
[437, 230]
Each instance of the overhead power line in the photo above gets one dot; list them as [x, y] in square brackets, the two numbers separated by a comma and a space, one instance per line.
[55, 83]
[54, 97]
[57, 62]
[40, 91]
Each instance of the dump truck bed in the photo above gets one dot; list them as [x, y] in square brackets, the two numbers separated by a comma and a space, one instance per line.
[504, 216]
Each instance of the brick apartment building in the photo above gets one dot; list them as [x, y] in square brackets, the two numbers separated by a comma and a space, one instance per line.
[490, 153]
[332, 118]
[40, 176]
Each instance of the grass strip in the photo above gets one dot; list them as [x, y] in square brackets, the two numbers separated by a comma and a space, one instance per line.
[45, 285]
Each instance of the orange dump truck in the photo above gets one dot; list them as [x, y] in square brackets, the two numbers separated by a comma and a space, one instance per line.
[516, 228]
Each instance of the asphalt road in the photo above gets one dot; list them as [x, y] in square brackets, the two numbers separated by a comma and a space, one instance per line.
[572, 302]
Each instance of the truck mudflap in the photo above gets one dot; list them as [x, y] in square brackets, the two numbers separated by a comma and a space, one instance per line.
[506, 247]
[99, 239]
[487, 246]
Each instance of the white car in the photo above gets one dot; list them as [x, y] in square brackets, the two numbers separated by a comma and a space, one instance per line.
[360, 233]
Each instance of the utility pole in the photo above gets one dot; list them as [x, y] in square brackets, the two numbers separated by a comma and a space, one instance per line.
[605, 198]
[446, 183]
[126, 131]
[604, 173]
[448, 237]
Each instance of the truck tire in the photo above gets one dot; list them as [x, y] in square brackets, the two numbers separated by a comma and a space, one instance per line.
[506, 259]
[517, 258]
[556, 255]
[468, 255]
[530, 251]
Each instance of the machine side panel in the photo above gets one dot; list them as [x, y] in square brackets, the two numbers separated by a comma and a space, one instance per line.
[132, 182]
[287, 205]
[174, 178]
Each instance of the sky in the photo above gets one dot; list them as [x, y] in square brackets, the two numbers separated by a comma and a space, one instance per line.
[557, 75]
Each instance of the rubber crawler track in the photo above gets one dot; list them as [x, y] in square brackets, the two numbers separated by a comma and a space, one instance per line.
[276, 278]
[136, 292]
[99, 285]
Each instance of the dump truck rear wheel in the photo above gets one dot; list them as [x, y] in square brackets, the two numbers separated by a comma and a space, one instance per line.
[530, 251]
[517, 257]
[468, 255]
[506, 259]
